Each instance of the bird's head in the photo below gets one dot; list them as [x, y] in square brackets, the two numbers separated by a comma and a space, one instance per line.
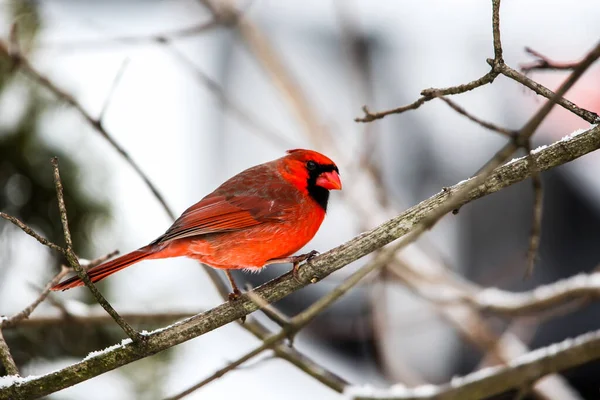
[312, 173]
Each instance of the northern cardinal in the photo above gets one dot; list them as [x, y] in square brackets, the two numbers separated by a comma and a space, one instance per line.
[258, 217]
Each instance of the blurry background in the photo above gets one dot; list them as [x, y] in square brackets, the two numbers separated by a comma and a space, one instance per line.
[200, 107]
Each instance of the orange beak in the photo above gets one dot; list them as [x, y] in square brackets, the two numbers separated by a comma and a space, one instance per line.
[329, 181]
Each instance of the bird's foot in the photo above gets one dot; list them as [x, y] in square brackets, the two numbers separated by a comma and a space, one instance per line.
[234, 295]
[296, 260]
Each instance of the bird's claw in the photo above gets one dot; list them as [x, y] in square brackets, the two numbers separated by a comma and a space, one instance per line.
[234, 295]
[298, 259]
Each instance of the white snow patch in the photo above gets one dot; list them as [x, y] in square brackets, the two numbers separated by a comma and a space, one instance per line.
[10, 380]
[398, 390]
[464, 181]
[108, 349]
[146, 333]
[576, 133]
[538, 149]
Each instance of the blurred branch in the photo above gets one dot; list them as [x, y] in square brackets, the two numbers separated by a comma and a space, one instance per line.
[412, 220]
[162, 37]
[74, 261]
[539, 299]
[100, 319]
[6, 357]
[112, 89]
[542, 62]
[22, 62]
[488, 382]
[469, 321]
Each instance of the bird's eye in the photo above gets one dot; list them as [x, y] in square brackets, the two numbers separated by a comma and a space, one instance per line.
[311, 165]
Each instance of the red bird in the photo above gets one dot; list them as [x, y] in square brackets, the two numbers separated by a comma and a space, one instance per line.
[260, 216]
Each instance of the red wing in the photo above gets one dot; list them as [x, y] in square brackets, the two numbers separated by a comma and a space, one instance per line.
[219, 214]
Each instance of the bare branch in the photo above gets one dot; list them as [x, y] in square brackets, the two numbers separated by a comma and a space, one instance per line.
[544, 63]
[74, 262]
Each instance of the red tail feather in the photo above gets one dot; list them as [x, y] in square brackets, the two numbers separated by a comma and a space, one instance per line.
[101, 271]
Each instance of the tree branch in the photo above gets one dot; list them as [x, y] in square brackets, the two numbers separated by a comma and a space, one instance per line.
[488, 382]
[318, 268]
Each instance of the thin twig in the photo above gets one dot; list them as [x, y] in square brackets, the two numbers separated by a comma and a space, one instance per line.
[74, 262]
[26, 67]
[544, 63]
[32, 233]
[488, 125]
[6, 358]
[507, 71]
[113, 87]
